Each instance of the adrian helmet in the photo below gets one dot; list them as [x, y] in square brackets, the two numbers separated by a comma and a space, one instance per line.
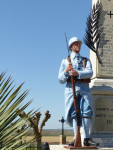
[72, 40]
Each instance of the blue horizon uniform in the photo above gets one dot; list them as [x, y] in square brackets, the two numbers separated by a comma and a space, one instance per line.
[83, 93]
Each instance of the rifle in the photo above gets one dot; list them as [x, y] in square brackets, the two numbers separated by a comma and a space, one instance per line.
[77, 142]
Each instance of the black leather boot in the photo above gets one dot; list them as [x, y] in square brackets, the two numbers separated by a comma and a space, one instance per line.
[71, 143]
[88, 142]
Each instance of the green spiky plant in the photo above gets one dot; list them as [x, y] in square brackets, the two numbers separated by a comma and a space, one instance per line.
[11, 106]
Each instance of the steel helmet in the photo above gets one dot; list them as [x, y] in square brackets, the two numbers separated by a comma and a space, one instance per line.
[72, 40]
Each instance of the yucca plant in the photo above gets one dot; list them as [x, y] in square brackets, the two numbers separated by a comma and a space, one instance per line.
[13, 127]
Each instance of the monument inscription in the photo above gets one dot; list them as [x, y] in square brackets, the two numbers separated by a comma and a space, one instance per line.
[106, 51]
[104, 114]
[106, 42]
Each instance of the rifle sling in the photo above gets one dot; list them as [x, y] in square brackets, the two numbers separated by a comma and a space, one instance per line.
[84, 61]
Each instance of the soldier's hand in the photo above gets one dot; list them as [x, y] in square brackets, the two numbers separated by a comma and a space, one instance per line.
[74, 73]
[68, 68]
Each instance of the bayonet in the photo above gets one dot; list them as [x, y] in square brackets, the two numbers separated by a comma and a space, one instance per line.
[67, 45]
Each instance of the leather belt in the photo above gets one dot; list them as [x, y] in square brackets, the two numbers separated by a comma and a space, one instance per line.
[88, 80]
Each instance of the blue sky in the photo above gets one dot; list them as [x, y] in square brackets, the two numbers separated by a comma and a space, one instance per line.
[32, 45]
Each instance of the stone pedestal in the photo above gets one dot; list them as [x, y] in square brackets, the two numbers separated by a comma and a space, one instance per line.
[102, 82]
[62, 139]
[102, 123]
[61, 147]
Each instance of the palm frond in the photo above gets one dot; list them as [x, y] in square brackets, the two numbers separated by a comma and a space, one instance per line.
[2, 75]
[92, 32]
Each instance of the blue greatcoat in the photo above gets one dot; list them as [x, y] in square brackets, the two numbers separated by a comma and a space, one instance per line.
[84, 97]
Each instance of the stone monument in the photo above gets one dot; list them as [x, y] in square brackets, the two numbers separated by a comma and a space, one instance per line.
[102, 81]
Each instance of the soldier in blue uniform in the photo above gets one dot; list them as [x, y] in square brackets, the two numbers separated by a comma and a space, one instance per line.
[81, 68]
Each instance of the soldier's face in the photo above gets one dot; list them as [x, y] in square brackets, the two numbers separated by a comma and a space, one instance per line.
[75, 47]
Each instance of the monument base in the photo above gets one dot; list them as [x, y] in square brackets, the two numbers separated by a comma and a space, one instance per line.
[101, 86]
[104, 142]
[84, 147]
[61, 147]
[102, 122]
